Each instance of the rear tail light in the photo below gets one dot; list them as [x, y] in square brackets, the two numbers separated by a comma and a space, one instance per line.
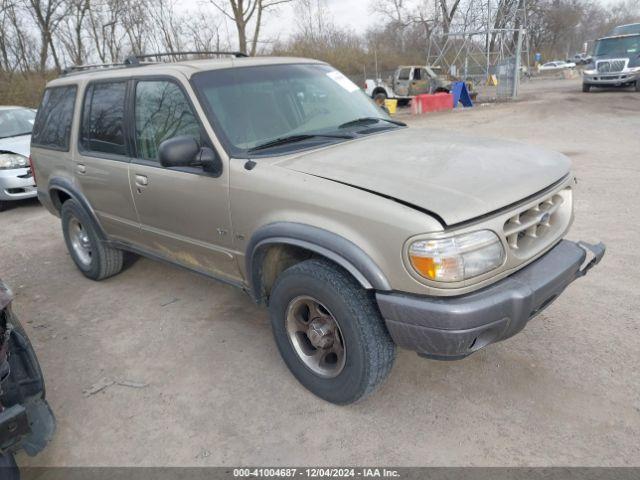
[33, 170]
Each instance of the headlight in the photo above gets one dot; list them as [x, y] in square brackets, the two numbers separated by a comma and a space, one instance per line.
[13, 160]
[590, 72]
[631, 70]
[457, 258]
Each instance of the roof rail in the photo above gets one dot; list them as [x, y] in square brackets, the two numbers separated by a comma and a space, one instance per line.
[135, 59]
[93, 66]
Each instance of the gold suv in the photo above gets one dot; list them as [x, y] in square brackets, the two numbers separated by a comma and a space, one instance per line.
[280, 176]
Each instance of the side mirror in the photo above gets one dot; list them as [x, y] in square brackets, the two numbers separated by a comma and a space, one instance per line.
[184, 151]
[178, 152]
[210, 162]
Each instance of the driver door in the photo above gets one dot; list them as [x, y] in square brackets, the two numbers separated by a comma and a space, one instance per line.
[183, 211]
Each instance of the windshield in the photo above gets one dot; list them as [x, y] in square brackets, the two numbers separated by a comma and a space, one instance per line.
[251, 106]
[16, 121]
[624, 46]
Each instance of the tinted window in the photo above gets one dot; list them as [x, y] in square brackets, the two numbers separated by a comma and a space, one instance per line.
[102, 118]
[162, 111]
[52, 127]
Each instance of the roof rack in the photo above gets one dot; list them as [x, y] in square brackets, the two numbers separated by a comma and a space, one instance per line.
[94, 66]
[138, 60]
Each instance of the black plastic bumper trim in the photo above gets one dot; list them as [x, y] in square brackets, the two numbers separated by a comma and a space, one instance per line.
[454, 327]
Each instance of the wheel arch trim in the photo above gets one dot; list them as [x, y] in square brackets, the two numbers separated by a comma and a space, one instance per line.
[330, 245]
[66, 186]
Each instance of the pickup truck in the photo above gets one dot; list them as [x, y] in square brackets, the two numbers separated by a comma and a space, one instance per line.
[405, 83]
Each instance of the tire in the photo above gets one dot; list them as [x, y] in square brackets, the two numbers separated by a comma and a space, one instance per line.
[93, 258]
[3, 206]
[8, 467]
[637, 85]
[379, 98]
[368, 352]
[586, 88]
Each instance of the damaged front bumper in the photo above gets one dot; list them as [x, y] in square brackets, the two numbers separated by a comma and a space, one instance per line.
[26, 420]
[450, 328]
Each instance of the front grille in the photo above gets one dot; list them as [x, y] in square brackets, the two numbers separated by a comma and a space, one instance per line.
[611, 66]
[531, 230]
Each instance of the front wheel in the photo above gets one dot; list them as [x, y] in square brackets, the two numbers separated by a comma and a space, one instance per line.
[329, 332]
[637, 85]
[586, 88]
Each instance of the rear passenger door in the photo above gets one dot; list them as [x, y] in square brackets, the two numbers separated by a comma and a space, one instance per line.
[102, 164]
[183, 211]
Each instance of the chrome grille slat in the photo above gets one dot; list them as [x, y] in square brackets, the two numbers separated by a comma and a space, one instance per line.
[611, 66]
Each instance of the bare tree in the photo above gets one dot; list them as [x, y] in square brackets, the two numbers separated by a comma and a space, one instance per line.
[72, 32]
[47, 15]
[204, 33]
[243, 13]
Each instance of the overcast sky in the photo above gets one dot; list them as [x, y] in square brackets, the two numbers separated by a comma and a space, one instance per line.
[280, 22]
[355, 15]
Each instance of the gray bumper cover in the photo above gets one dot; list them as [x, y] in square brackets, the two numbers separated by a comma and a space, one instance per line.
[449, 328]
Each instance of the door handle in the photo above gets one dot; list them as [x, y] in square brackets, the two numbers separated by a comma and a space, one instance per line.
[142, 181]
[81, 168]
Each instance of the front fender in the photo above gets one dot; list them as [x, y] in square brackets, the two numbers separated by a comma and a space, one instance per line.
[327, 244]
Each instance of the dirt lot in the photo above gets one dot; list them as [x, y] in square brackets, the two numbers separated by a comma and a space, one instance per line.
[566, 391]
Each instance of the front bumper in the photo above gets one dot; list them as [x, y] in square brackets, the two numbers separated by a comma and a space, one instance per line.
[17, 184]
[611, 79]
[449, 328]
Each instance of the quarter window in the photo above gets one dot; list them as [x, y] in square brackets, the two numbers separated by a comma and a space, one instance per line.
[103, 117]
[52, 126]
[161, 111]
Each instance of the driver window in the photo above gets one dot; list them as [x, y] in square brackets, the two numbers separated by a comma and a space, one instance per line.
[404, 74]
[161, 112]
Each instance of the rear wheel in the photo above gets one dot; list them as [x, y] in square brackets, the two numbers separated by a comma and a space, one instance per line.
[586, 88]
[93, 258]
[329, 332]
[379, 98]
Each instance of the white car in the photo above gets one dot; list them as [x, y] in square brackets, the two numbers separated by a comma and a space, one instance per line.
[556, 65]
[16, 179]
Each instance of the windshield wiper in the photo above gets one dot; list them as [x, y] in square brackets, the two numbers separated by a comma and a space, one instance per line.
[293, 139]
[370, 121]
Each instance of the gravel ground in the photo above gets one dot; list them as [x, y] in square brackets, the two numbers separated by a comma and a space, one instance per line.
[207, 387]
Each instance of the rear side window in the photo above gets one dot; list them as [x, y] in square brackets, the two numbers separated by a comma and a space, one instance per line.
[162, 111]
[103, 117]
[52, 127]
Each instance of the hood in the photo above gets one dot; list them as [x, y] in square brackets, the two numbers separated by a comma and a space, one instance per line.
[457, 178]
[19, 145]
